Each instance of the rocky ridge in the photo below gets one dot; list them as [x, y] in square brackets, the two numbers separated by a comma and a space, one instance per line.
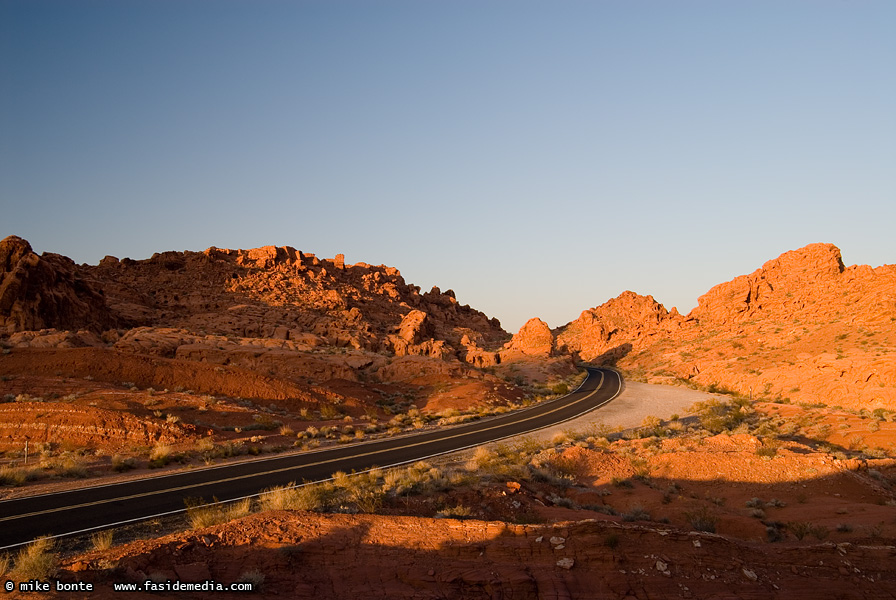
[802, 326]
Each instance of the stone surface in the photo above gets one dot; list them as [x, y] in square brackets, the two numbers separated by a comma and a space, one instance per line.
[534, 339]
[47, 291]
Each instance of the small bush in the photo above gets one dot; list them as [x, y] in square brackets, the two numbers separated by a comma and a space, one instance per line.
[37, 560]
[799, 529]
[16, 476]
[123, 463]
[701, 519]
[203, 515]
[255, 577]
[717, 416]
[636, 513]
[102, 540]
[160, 455]
[560, 389]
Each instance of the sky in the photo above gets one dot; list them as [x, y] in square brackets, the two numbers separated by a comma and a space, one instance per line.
[538, 158]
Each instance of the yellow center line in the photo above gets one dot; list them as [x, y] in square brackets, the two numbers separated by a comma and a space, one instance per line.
[271, 472]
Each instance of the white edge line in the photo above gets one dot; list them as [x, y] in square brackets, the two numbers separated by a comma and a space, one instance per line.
[389, 466]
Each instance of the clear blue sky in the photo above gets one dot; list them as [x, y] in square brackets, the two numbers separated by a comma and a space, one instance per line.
[537, 157]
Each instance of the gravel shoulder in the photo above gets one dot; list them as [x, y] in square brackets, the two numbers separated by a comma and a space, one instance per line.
[628, 409]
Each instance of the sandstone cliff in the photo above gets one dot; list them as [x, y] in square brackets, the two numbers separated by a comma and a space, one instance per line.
[803, 326]
[38, 292]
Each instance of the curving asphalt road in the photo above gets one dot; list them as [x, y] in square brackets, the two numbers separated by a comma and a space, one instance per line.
[99, 507]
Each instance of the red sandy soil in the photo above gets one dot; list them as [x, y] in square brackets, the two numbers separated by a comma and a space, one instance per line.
[306, 555]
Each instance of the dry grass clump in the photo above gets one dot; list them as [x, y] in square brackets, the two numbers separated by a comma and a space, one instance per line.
[255, 577]
[702, 519]
[37, 560]
[160, 455]
[16, 476]
[121, 463]
[203, 515]
[364, 490]
[501, 462]
[316, 497]
[717, 416]
[68, 466]
[102, 540]
[455, 512]
[419, 477]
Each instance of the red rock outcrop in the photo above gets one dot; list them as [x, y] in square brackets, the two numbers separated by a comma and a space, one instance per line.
[610, 330]
[534, 339]
[47, 291]
[802, 326]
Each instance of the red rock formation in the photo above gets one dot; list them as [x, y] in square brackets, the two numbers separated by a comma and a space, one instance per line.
[611, 329]
[802, 326]
[48, 291]
[534, 339]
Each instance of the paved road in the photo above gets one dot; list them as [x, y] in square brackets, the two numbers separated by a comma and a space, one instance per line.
[85, 509]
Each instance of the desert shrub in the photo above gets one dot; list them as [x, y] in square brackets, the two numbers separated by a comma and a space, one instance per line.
[560, 389]
[455, 512]
[844, 528]
[419, 477]
[605, 509]
[636, 513]
[102, 540]
[820, 532]
[37, 560]
[203, 515]
[799, 529]
[364, 491]
[718, 415]
[160, 455]
[5, 564]
[652, 426]
[561, 437]
[622, 482]
[329, 412]
[502, 462]
[767, 450]
[702, 519]
[255, 577]
[66, 467]
[318, 497]
[774, 533]
[856, 442]
[123, 463]
[15, 476]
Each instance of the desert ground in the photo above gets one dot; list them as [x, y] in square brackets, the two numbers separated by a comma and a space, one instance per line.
[750, 454]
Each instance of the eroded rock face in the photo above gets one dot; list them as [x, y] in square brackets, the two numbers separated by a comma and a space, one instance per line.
[48, 291]
[786, 284]
[802, 326]
[608, 332]
[534, 338]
